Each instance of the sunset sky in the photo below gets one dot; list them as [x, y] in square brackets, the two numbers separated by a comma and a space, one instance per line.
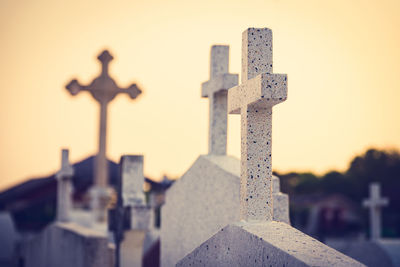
[342, 59]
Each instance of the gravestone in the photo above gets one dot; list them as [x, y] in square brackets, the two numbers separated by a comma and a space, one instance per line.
[375, 203]
[206, 197]
[257, 240]
[130, 220]
[280, 202]
[103, 89]
[64, 188]
[377, 251]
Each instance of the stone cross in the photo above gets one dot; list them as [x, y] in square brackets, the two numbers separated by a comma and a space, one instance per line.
[254, 98]
[280, 201]
[64, 188]
[103, 89]
[216, 90]
[375, 203]
[130, 213]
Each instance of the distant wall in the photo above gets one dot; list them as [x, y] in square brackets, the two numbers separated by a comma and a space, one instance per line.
[66, 245]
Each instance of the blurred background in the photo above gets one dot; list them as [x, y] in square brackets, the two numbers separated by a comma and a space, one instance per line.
[336, 133]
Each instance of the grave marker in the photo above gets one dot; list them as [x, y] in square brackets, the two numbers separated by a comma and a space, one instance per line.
[375, 203]
[103, 89]
[253, 100]
[130, 219]
[64, 188]
[257, 240]
[216, 90]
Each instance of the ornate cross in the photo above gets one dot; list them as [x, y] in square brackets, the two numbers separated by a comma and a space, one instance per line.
[64, 188]
[375, 203]
[253, 99]
[216, 90]
[103, 89]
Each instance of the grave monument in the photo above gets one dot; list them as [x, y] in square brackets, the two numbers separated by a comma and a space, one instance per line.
[103, 89]
[257, 240]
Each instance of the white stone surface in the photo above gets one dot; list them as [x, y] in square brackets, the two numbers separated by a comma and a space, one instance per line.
[132, 180]
[280, 202]
[66, 245]
[375, 203]
[266, 243]
[216, 90]
[253, 99]
[64, 188]
[200, 203]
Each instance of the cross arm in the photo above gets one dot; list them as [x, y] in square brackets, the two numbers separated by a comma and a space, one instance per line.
[221, 82]
[74, 87]
[264, 90]
[376, 202]
[133, 91]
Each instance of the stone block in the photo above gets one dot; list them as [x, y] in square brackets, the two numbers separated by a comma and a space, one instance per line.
[68, 244]
[264, 244]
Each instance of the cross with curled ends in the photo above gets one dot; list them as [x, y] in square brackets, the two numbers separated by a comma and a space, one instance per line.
[103, 88]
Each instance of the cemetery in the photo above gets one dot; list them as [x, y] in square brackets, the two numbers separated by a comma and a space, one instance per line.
[222, 210]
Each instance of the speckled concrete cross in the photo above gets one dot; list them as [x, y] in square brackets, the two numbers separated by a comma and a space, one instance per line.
[375, 203]
[216, 90]
[64, 188]
[253, 99]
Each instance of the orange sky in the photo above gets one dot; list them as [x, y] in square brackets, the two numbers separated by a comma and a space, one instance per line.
[342, 59]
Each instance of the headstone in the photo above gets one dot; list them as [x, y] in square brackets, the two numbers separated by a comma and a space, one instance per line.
[257, 240]
[64, 188]
[130, 220]
[103, 89]
[280, 202]
[216, 90]
[206, 197]
[375, 203]
[376, 251]
[65, 245]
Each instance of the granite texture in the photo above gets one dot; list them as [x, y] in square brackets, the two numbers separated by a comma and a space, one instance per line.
[203, 201]
[68, 244]
[197, 205]
[257, 240]
[216, 90]
[375, 204]
[64, 188]
[253, 99]
[264, 244]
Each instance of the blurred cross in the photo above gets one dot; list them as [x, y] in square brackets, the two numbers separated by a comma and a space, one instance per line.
[216, 90]
[253, 99]
[64, 188]
[103, 89]
[375, 203]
